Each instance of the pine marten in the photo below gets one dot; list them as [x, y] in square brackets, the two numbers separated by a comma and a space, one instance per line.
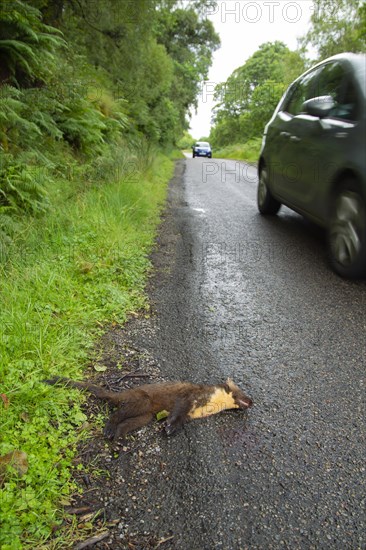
[182, 400]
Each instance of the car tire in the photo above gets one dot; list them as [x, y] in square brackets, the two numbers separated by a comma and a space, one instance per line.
[267, 204]
[346, 233]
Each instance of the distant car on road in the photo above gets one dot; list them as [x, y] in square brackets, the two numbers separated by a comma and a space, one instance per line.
[201, 149]
[313, 157]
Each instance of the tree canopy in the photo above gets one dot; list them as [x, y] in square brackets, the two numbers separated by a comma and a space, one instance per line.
[87, 75]
[246, 100]
[337, 26]
[151, 54]
[248, 97]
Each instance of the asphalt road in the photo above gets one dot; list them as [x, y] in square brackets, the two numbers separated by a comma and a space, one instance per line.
[253, 298]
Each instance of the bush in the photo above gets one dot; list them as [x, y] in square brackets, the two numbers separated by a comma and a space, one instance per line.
[248, 151]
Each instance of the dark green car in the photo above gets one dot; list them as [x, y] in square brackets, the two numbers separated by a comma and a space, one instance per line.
[313, 157]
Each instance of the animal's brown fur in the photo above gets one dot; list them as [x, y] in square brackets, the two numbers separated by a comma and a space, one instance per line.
[182, 400]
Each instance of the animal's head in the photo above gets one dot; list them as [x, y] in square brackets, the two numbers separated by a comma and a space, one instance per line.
[240, 398]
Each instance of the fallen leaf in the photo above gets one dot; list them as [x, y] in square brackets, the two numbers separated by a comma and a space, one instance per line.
[17, 459]
[86, 267]
[5, 400]
[161, 415]
[100, 368]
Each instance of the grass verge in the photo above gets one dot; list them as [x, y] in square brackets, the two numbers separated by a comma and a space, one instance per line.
[68, 276]
[175, 154]
[248, 151]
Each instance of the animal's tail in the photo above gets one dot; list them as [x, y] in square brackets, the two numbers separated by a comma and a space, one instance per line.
[98, 391]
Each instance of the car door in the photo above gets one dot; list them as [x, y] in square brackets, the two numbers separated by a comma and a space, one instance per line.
[290, 162]
[332, 143]
[315, 148]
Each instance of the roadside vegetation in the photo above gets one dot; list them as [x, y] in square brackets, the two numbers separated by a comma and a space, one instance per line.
[246, 101]
[70, 276]
[93, 100]
[248, 151]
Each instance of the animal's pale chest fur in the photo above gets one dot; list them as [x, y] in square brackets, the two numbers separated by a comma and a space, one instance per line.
[219, 401]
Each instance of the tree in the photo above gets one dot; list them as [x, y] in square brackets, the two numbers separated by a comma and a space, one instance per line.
[150, 55]
[152, 50]
[190, 40]
[337, 26]
[186, 141]
[247, 99]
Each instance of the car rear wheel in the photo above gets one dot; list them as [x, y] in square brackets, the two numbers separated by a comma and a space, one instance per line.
[267, 204]
[347, 232]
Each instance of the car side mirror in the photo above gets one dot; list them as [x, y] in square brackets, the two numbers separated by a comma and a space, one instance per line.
[319, 106]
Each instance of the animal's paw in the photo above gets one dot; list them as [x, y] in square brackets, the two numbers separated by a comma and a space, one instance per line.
[109, 431]
[170, 429]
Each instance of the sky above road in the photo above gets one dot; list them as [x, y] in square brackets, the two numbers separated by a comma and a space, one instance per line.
[243, 26]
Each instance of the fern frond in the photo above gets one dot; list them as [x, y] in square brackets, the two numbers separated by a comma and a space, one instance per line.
[15, 56]
[25, 30]
[27, 42]
[17, 45]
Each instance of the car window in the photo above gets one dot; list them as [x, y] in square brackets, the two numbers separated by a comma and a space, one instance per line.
[302, 90]
[334, 81]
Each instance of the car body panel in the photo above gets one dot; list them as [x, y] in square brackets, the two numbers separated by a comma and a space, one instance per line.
[307, 155]
[202, 149]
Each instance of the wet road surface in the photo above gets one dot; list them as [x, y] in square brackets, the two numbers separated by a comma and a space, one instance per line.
[253, 298]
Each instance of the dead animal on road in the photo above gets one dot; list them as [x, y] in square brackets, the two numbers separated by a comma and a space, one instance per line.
[183, 401]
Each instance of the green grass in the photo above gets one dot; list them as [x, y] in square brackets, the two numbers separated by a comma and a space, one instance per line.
[248, 151]
[67, 277]
[175, 154]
